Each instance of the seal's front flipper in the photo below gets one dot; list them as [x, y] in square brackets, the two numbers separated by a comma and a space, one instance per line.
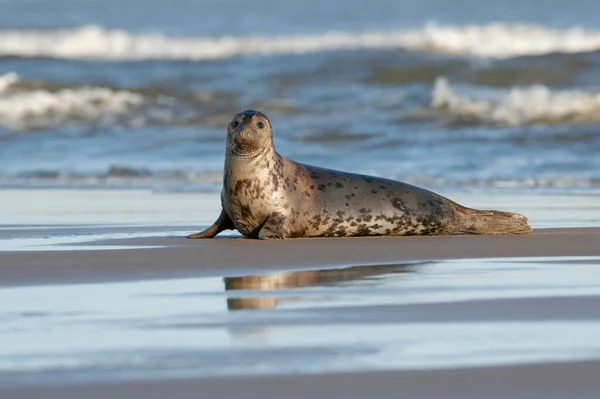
[274, 227]
[222, 223]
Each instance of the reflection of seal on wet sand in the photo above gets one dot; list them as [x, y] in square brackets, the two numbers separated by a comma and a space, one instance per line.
[268, 196]
[300, 279]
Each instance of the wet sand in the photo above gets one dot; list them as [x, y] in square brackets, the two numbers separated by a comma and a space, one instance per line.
[543, 381]
[177, 257]
[137, 311]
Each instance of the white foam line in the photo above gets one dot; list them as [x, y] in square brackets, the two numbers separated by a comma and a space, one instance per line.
[25, 109]
[519, 105]
[491, 40]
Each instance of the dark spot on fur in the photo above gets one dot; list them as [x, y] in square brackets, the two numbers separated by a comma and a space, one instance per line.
[341, 231]
[276, 219]
[312, 186]
[339, 185]
[340, 218]
[245, 212]
[430, 224]
[299, 233]
[273, 226]
[242, 184]
[347, 203]
[316, 221]
[274, 181]
[321, 187]
[398, 204]
[374, 191]
[363, 230]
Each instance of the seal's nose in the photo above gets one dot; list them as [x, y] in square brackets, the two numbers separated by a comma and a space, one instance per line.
[248, 116]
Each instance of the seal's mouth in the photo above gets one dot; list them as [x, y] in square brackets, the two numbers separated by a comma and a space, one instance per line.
[245, 143]
[245, 138]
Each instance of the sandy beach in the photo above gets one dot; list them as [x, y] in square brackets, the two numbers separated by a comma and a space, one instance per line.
[176, 257]
[568, 380]
[115, 307]
[115, 125]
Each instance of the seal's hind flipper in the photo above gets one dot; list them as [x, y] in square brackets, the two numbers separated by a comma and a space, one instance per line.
[491, 222]
[223, 222]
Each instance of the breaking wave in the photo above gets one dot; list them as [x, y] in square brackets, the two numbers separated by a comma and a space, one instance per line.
[516, 106]
[29, 105]
[498, 40]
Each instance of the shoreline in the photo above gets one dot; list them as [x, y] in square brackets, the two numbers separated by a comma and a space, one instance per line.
[178, 257]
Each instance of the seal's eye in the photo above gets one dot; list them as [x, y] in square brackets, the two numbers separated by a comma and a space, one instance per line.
[235, 124]
[260, 125]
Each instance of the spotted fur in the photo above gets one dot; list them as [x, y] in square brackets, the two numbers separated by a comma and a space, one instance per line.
[266, 195]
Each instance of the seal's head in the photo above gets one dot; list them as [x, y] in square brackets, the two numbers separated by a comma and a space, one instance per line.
[249, 133]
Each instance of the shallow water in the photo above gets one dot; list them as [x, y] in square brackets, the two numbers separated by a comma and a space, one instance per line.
[411, 316]
[107, 94]
[59, 220]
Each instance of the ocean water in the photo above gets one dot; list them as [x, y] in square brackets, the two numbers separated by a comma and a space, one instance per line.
[469, 95]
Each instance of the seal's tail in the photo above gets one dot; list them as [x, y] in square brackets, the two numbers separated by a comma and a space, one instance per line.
[491, 222]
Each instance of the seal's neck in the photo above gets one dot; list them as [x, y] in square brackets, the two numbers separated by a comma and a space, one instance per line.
[239, 166]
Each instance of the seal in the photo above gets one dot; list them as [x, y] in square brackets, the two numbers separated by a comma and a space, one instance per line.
[268, 196]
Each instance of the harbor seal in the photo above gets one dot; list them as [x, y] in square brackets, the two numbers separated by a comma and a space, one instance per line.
[268, 196]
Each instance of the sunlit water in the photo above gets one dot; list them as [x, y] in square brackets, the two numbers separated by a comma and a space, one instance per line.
[360, 319]
[474, 97]
[43, 220]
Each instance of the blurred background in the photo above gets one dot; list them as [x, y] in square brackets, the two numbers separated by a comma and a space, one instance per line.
[462, 94]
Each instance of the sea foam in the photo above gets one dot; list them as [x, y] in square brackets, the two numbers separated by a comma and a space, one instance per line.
[25, 108]
[518, 105]
[498, 40]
